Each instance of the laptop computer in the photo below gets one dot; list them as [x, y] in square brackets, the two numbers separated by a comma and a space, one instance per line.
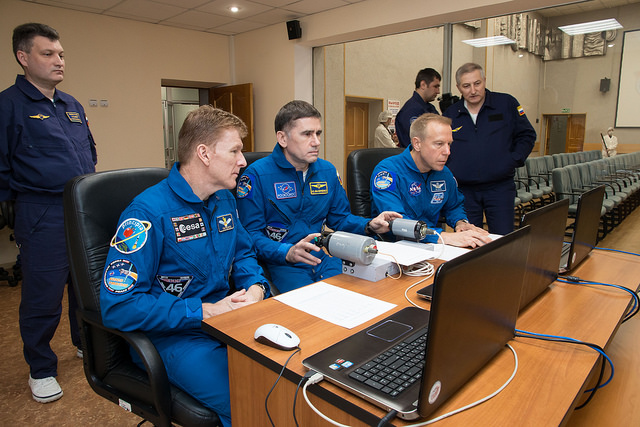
[585, 231]
[547, 235]
[473, 315]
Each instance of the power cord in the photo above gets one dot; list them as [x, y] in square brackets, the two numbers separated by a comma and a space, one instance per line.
[302, 381]
[616, 250]
[636, 300]
[316, 378]
[558, 338]
[266, 400]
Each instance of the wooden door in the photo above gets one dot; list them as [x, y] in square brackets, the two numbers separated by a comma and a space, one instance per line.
[573, 136]
[237, 99]
[356, 128]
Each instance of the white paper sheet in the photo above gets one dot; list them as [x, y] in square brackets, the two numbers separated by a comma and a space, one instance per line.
[334, 304]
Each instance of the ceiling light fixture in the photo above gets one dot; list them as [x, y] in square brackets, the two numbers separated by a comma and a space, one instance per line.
[234, 9]
[591, 27]
[489, 41]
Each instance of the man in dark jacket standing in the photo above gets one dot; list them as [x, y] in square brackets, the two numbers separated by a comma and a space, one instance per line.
[492, 137]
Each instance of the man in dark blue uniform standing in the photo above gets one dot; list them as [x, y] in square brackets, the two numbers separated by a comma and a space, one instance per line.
[491, 138]
[44, 142]
[427, 89]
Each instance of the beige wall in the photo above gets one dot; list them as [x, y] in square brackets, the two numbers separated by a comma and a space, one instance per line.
[122, 61]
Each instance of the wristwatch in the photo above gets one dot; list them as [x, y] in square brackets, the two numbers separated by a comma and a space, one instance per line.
[460, 220]
[264, 289]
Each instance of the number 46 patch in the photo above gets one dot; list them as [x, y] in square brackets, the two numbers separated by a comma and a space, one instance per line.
[174, 285]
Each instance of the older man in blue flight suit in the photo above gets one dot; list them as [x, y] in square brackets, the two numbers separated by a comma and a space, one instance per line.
[44, 142]
[417, 184]
[492, 137]
[427, 89]
[286, 198]
[170, 260]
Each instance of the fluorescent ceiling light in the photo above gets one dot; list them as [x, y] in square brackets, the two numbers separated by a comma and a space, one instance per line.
[488, 41]
[591, 27]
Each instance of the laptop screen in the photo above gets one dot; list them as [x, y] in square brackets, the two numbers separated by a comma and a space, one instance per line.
[585, 233]
[547, 235]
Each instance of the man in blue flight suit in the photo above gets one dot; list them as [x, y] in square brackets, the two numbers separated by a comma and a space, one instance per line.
[44, 142]
[427, 89]
[170, 260]
[286, 198]
[417, 184]
[492, 137]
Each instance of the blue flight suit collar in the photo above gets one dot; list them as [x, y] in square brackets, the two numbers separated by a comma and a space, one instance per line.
[181, 187]
[282, 162]
[488, 103]
[32, 92]
[410, 163]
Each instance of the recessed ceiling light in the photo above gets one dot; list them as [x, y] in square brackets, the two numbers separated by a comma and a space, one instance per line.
[591, 27]
[611, 45]
[234, 9]
[489, 41]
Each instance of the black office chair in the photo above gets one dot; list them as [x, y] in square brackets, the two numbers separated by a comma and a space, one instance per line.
[360, 165]
[250, 157]
[92, 206]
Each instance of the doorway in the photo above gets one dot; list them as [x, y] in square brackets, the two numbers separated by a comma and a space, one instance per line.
[564, 133]
[176, 104]
[360, 121]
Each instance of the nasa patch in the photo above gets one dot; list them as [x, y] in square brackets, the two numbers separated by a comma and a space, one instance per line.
[188, 227]
[285, 190]
[437, 186]
[383, 181]
[131, 235]
[120, 276]
[276, 232]
[437, 198]
[244, 187]
[225, 223]
[415, 188]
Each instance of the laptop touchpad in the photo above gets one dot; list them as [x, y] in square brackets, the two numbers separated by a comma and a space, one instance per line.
[389, 330]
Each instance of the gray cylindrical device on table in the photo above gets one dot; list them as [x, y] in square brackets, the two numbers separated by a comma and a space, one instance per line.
[409, 228]
[351, 247]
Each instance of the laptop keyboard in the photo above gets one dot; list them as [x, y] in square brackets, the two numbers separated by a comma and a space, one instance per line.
[396, 369]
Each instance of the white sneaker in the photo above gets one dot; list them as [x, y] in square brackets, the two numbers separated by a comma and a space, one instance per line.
[45, 390]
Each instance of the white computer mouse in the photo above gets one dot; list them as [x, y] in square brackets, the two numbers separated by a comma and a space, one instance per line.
[276, 336]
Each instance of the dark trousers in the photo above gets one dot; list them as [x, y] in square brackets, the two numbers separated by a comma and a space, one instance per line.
[494, 201]
[39, 232]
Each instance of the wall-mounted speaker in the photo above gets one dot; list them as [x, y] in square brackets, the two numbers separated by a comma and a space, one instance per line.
[293, 29]
[605, 84]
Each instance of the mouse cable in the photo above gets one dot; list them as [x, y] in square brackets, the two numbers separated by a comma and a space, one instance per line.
[615, 250]
[636, 300]
[266, 399]
[477, 402]
[448, 414]
[558, 338]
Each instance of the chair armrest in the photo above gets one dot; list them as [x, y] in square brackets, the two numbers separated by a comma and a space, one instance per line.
[154, 366]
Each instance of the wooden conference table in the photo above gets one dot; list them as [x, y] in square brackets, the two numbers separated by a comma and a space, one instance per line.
[550, 381]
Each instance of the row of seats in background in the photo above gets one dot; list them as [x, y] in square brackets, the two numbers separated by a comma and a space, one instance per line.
[566, 175]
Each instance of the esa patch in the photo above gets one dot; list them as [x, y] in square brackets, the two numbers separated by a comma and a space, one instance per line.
[285, 190]
[415, 188]
[244, 187]
[74, 117]
[437, 198]
[520, 110]
[120, 276]
[174, 285]
[384, 181]
[188, 227]
[318, 188]
[225, 223]
[131, 235]
[276, 232]
[437, 186]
